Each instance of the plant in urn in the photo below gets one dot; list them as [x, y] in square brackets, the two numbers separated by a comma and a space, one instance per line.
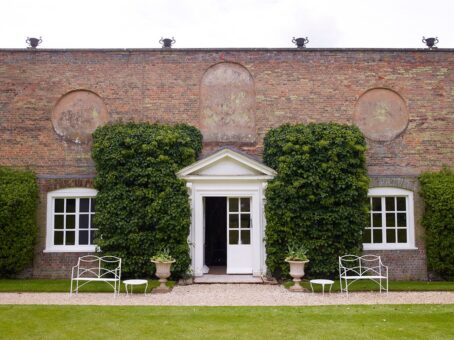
[163, 261]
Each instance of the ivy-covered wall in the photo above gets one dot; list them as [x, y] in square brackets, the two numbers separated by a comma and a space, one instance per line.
[319, 197]
[18, 229]
[437, 189]
[141, 205]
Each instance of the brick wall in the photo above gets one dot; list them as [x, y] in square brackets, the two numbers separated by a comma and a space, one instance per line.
[287, 86]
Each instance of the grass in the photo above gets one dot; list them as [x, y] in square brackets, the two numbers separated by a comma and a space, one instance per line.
[394, 286]
[327, 322]
[49, 286]
[58, 286]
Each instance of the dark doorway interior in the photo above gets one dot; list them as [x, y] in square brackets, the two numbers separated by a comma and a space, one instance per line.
[215, 231]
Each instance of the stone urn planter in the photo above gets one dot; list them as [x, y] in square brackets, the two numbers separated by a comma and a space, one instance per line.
[163, 261]
[296, 258]
[163, 273]
[297, 272]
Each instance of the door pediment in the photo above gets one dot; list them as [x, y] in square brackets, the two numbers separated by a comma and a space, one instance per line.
[227, 164]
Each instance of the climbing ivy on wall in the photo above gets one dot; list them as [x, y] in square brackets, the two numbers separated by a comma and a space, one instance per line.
[437, 189]
[319, 197]
[142, 206]
[18, 229]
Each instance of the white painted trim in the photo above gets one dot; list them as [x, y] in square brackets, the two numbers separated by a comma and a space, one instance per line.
[226, 189]
[226, 153]
[65, 193]
[390, 191]
[226, 178]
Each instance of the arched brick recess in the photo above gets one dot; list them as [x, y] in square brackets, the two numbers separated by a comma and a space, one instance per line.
[227, 104]
[381, 114]
[77, 114]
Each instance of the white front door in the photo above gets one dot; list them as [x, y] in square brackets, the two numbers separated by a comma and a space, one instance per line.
[239, 235]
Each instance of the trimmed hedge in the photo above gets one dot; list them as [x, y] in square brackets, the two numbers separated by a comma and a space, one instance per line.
[141, 205]
[319, 197]
[18, 229]
[437, 189]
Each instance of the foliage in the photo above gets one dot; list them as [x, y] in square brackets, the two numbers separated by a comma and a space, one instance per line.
[319, 197]
[141, 205]
[437, 189]
[162, 255]
[18, 229]
[296, 253]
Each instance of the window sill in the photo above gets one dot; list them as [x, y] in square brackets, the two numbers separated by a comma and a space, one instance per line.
[71, 249]
[388, 247]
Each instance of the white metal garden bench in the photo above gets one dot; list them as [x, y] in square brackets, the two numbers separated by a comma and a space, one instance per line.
[91, 268]
[366, 267]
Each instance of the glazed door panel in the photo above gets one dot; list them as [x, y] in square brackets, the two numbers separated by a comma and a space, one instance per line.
[239, 235]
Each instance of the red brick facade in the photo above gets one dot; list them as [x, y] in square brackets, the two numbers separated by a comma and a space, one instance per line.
[280, 86]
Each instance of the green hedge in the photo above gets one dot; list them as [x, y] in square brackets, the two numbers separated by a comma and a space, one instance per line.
[141, 205]
[18, 229]
[318, 198]
[437, 189]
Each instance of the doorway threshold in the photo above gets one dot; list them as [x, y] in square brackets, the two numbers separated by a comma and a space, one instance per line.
[231, 278]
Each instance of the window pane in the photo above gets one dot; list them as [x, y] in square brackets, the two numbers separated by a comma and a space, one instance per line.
[245, 237]
[58, 221]
[58, 238]
[92, 236]
[389, 203]
[70, 205]
[233, 204]
[390, 220]
[70, 238]
[377, 236]
[70, 221]
[367, 236]
[93, 204]
[376, 203]
[401, 220]
[83, 221]
[233, 221]
[402, 235]
[83, 237]
[391, 235]
[92, 216]
[233, 236]
[245, 220]
[59, 205]
[401, 204]
[376, 220]
[245, 204]
[84, 205]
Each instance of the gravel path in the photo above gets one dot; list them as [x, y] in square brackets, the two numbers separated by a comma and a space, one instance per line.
[230, 295]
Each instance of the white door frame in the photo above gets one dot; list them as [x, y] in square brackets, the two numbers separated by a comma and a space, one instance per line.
[226, 189]
[226, 173]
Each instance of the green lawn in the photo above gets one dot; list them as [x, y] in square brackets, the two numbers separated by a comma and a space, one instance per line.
[327, 322]
[395, 286]
[55, 286]
[38, 285]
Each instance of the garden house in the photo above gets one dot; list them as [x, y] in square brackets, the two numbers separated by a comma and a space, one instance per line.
[52, 100]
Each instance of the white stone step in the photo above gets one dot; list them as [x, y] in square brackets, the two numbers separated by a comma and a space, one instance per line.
[210, 278]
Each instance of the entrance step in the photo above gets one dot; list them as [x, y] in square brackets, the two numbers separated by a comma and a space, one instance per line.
[210, 278]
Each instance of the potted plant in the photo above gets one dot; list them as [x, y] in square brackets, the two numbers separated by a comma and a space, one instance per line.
[163, 261]
[297, 258]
